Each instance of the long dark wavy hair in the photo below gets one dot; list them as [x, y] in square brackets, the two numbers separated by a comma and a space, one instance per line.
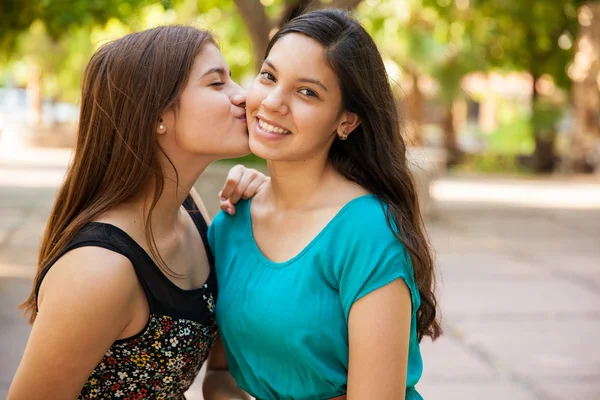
[374, 155]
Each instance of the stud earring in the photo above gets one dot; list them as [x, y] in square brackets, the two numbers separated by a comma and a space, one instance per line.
[161, 127]
[344, 136]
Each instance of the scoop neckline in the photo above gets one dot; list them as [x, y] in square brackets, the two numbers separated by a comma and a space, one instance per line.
[276, 265]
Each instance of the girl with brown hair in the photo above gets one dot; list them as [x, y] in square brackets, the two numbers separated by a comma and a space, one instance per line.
[124, 298]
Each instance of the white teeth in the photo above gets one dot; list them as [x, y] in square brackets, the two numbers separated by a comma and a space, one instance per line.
[271, 128]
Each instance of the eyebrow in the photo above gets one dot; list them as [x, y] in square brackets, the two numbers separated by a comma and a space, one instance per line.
[307, 80]
[218, 70]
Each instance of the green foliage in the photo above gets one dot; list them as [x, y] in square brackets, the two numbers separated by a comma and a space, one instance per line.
[545, 116]
[404, 33]
[491, 163]
[512, 137]
[60, 16]
[249, 161]
[519, 35]
[424, 38]
[232, 37]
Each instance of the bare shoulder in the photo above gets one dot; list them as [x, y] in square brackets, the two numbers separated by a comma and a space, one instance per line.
[88, 275]
[198, 200]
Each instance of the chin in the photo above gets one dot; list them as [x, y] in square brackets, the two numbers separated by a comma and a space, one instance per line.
[259, 150]
[266, 153]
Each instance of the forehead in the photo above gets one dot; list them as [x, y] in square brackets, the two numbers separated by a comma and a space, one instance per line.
[209, 57]
[300, 56]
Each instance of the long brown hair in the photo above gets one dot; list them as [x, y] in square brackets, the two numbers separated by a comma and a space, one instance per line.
[374, 156]
[127, 85]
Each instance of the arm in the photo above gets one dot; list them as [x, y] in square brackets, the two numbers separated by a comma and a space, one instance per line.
[218, 383]
[85, 302]
[379, 332]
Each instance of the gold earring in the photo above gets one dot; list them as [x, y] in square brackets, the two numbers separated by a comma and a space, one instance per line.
[344, 136]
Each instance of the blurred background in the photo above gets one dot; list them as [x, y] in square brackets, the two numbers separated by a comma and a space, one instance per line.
[501, 110]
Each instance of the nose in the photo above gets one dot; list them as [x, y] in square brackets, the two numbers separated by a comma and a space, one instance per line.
[238, 100]
[238, 96]
[275, 102]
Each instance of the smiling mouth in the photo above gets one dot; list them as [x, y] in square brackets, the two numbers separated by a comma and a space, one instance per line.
[272, 129]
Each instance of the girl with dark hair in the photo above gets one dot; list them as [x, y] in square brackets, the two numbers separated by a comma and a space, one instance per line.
[124, 298]
[326, 278]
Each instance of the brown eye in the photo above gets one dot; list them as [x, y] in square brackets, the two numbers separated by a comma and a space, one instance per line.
[268, 76]
[309, 93]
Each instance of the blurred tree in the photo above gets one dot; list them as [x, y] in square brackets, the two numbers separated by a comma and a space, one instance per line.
[426, 40]
[59, 16]
[522, 35]
[16, 17]
[463, 53]
[405, 35]
[46, 24]
[585, 73]
[43, 56]
[525, 36]
[224, 20]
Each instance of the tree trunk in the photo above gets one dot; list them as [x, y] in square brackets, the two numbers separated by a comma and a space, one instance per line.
[543, 158]
[416, 102]
[585, 73]
[259, 26]
[453, 153]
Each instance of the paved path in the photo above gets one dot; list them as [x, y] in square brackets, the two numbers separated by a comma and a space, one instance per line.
[519, 286]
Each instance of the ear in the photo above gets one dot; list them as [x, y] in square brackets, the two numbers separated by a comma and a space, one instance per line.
[165, 122]
[347, 123]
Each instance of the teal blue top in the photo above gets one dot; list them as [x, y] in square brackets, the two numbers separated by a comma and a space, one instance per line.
[285, 325]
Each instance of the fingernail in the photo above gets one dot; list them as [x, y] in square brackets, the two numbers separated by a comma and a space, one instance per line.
[229, 210]
[223, 198]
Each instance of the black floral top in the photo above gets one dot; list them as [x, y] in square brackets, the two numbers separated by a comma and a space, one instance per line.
[162, 361]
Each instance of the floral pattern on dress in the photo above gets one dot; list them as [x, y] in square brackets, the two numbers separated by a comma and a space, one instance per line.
[161, 363]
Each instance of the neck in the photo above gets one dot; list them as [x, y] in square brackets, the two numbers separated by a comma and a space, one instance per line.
[297, 184]
[177, 186]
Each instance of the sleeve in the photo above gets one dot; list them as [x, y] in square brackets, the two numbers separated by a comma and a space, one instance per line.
[373, 263]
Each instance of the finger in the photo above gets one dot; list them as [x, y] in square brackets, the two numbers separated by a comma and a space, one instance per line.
[227, 207]
[232, 180]
[249, 176]
[252, 188]
[240, 189]
[223, 204]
